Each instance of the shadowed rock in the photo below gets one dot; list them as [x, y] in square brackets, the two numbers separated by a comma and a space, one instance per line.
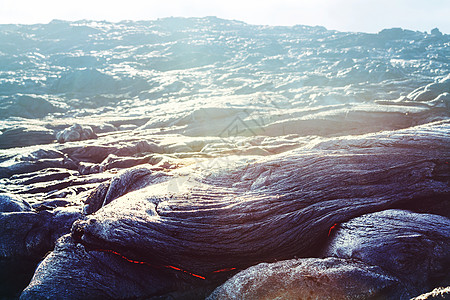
[26, 235]
[18, 136]
[26, 106]
[98, 153]
[31, 234]
[97, 272]
[37, 161]
[12, 203]
[432, 90]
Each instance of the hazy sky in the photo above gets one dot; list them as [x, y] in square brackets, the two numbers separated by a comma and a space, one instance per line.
[345, 15]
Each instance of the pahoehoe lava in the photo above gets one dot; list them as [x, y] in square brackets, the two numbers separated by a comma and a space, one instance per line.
[207, 158]
[214, 225]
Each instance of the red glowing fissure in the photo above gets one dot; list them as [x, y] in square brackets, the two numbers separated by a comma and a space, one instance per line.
[224, 270]
[332, 227]
[155, 266]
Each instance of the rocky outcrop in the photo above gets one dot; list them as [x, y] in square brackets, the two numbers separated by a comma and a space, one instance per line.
[413, 247]
[312, 278]
[26, 236]
[75, 132]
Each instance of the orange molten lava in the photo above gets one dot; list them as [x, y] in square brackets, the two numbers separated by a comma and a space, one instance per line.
[332, 227]
[154, 266]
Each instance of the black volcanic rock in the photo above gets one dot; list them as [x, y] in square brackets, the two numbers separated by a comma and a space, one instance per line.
[312, 278]
[203, 147]
[275, 209]
[413, 247]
